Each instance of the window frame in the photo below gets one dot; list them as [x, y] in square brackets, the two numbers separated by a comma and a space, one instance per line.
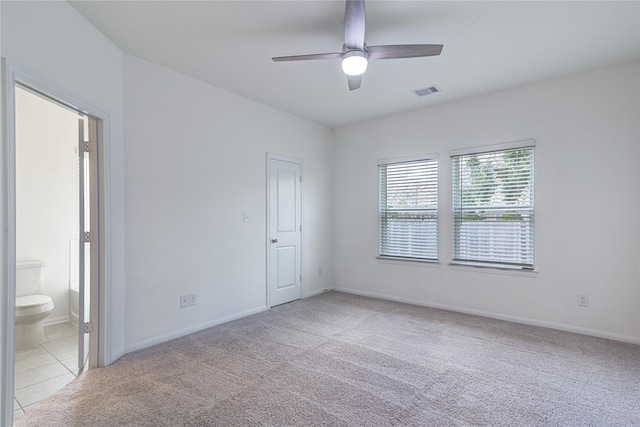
[413, 159]
[493, 265]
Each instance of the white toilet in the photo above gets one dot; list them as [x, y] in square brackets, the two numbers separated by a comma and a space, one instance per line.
[31, 306]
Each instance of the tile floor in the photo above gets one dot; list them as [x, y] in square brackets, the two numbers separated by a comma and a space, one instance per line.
[44, 369]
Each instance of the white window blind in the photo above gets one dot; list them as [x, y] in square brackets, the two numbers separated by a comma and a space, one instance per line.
[409, 209]
[493, 208]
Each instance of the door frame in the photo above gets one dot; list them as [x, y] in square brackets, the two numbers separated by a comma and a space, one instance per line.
[13, 75]
[273, 156]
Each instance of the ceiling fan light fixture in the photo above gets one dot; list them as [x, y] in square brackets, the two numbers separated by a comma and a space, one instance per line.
[355, 53]
[354, 62]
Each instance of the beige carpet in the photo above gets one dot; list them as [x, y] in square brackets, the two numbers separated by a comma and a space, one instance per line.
[344, 360]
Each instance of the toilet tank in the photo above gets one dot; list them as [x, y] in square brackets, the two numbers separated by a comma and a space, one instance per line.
[30, 277]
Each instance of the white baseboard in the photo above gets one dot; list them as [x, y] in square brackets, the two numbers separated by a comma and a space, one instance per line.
[116, 355]
[498, 316]
[56, 320]
[177, 334]
[316, 292]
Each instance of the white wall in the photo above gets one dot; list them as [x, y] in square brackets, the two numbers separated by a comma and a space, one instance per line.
[195, 161]
[47, 191]
[196, 157]
[587, 190]
[56, 44]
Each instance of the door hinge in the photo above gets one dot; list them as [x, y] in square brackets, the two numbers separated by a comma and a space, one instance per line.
[86, 237]
[87, 327]
[301, 178]
[301, 277]
[86, 147]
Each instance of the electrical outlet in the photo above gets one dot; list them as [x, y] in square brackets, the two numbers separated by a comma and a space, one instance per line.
[184, 301]
[583, 300]
[193, 299]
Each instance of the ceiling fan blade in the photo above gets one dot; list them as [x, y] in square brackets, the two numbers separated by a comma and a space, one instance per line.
[308, 57]
[404, 51]
[354, 82]
[354, 17]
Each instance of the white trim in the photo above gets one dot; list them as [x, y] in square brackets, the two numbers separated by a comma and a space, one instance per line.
[408, 261]
[7, 240]
[490, 269]
[527, 143]
[103, 305]
[316, 292]
[56, 320]
[300, 162]
[117, 354]
[190, 330]
[407, 159]
[491, 315]
[284, 158]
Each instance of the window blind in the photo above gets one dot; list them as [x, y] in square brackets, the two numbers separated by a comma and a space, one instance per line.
[409, 209]
[493, 208]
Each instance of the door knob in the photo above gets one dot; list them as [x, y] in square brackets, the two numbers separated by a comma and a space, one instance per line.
[274, 240]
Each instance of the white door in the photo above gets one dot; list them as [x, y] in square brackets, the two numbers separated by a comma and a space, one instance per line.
[285, 231]
[88, 233]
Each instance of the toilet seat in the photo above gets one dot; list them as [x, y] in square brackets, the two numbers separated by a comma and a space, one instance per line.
[33, 304]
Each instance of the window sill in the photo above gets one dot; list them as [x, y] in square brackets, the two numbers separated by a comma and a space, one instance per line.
[494, 270]
[408, 261]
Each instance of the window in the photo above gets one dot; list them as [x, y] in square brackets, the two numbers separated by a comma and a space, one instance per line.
[409, 209]
[493, 207]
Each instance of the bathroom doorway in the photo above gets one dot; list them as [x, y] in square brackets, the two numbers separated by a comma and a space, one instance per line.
[56, 220]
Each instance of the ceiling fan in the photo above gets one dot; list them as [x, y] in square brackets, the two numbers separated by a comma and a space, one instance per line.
[355, 52]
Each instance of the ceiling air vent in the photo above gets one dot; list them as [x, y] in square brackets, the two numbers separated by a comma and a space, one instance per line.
[426, 91]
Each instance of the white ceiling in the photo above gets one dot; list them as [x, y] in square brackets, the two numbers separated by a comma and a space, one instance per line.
[488, 46]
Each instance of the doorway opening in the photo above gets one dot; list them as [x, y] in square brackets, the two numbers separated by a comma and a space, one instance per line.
[57, 256]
